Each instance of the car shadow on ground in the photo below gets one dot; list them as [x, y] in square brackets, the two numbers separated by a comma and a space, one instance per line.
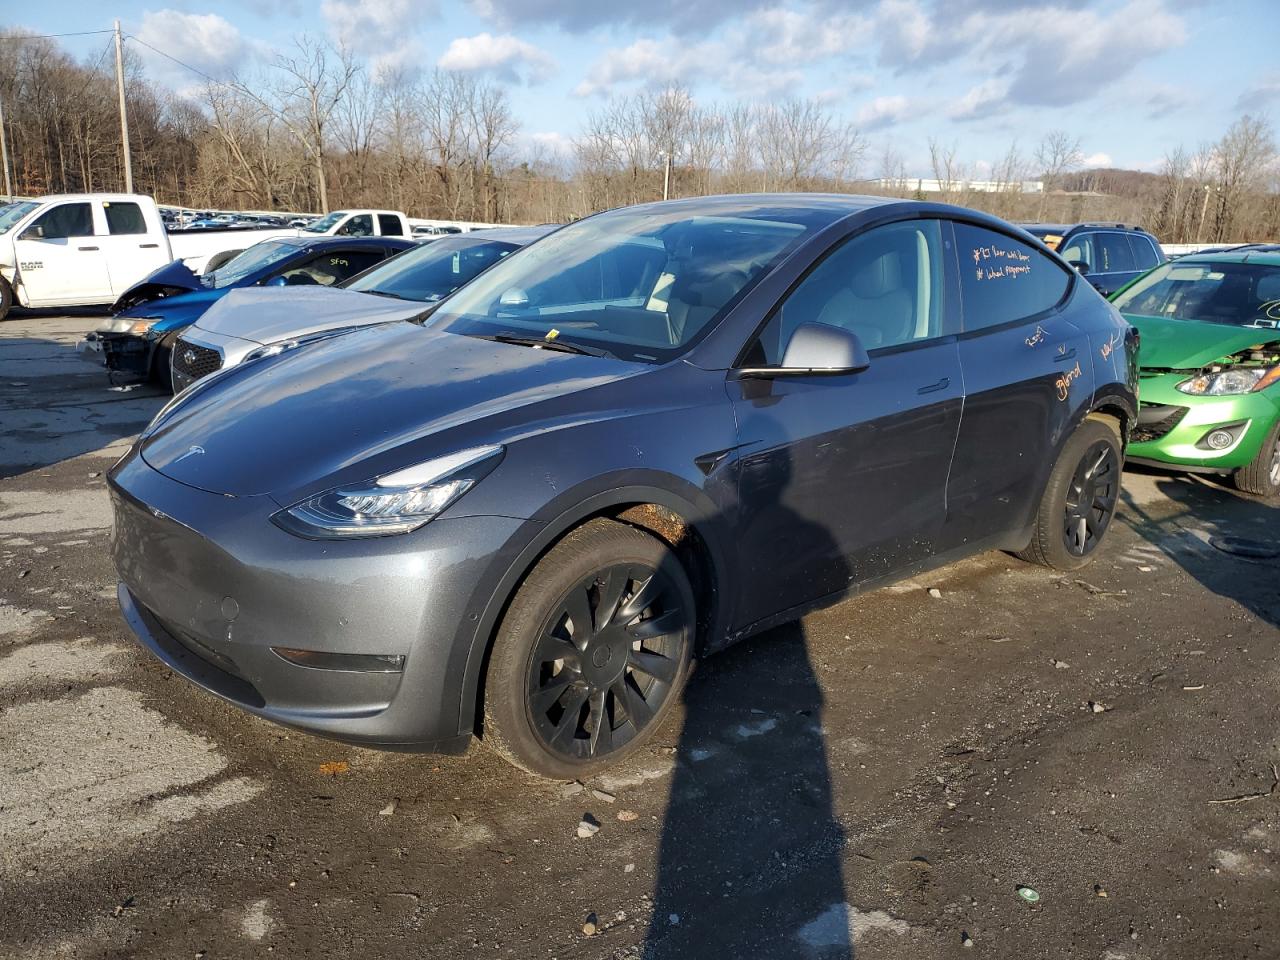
[54, 406]
[749, 862]
[1229, 542]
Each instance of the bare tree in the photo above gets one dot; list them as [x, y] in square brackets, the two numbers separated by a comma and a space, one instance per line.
[1244, 157]
[1057, 153]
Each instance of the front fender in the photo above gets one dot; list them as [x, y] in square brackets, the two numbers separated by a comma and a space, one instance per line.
[599, 495]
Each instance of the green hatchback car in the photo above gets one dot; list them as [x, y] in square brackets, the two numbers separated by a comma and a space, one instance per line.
[1210, 366]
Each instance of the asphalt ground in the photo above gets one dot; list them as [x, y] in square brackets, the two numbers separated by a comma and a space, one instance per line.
[876, 781]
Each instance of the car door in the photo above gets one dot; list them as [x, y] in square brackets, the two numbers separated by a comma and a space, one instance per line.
[1026, 368]
[842, 478]
[131, 252]
[60, 257]
[1115, 256]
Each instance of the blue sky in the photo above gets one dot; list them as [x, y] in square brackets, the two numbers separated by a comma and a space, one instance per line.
[1131, 78]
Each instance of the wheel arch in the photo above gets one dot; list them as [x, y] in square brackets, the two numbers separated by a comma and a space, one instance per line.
[686, 522]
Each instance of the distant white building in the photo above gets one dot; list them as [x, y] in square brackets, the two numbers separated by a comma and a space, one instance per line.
[977, 186]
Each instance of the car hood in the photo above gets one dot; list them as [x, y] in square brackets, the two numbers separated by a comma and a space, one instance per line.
[172, 275]
[360, 405]
[268, 314]
[1191, 344]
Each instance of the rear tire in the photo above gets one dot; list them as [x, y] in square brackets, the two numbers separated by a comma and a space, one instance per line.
[1079, 500]
[1261, 476]
[592, 654]
[6, 298]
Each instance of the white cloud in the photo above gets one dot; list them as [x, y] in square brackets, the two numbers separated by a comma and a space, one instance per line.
[980, 101]
[1097, 161]
[206, 41]
[506, 57]
[884, 112]
[651, 62]
[1263, 96]
[790, 36]
[383, 30]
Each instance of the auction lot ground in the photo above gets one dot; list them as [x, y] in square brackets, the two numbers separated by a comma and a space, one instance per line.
[875, 781]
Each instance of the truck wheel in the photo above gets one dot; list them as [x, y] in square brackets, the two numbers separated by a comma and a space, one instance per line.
[592, 655]
[6, 298]
[1261, 476]
[1079, 500]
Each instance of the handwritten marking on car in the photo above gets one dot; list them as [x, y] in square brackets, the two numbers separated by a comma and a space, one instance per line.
[1037, 338]
[1063, 383]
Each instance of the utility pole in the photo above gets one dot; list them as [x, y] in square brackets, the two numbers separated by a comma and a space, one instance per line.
[666, 175]
[1203, 209]
[124, 115]
[4, 156]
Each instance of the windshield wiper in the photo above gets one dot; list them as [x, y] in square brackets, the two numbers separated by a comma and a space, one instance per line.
[541, 343]
[385, 293]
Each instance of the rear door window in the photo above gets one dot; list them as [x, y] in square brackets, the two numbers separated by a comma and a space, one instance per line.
[332, 266]
[1114, 254]
[389, 225]
[124, 218]
[1003, 280]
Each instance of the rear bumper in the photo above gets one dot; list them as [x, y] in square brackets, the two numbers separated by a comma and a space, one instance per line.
[210, 586]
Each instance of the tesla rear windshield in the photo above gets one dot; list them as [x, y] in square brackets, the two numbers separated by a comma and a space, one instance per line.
[638, 284]
[1237, 294]
[432, 272]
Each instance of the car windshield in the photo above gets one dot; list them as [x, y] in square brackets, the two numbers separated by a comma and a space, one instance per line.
[257, 257]
[432, 272]
[1237, 294]
[639, 284]
[14, 212]
[325, 223]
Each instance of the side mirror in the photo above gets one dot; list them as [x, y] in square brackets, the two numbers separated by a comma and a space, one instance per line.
[1082, 267]
[33, 232]
[817, 349]
[279, 281]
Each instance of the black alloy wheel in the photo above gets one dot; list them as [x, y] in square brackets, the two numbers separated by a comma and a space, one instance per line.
[607, 660]
[1091, 499]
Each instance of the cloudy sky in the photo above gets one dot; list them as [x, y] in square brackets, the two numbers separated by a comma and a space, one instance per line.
[1131, 78]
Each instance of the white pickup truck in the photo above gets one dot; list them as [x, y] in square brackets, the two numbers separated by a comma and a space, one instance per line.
[88, 248]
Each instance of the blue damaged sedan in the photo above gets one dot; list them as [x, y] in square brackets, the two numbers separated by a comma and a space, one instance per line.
[663, 428]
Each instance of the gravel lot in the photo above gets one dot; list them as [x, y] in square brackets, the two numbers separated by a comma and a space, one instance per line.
[877, 780]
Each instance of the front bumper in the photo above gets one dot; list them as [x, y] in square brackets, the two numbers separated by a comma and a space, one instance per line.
[125, 353]
[1176, 424]
[210, 586]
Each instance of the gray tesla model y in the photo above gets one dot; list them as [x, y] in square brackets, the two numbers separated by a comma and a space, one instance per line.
[653, 432]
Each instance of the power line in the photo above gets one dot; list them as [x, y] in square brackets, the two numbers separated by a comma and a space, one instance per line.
[53, 36]
[187, 66]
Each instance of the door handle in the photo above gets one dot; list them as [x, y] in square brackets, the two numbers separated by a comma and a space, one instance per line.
[1064, 356]
[148, 246]
[935, 387]
[86, 248]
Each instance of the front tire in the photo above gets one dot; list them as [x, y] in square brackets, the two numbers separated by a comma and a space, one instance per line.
[1261, 476]
[1080, 499]
[592, 654]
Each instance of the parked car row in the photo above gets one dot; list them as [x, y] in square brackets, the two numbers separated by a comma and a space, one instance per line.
[510, 483]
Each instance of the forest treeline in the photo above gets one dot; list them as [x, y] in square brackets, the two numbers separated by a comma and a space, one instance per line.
[319, 129]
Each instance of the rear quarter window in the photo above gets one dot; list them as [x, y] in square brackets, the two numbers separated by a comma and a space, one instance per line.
[1003, 280]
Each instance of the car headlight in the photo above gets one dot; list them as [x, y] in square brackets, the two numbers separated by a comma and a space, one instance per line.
[134, 325]
[1236, 380]
[393, 503]
[280, 346]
